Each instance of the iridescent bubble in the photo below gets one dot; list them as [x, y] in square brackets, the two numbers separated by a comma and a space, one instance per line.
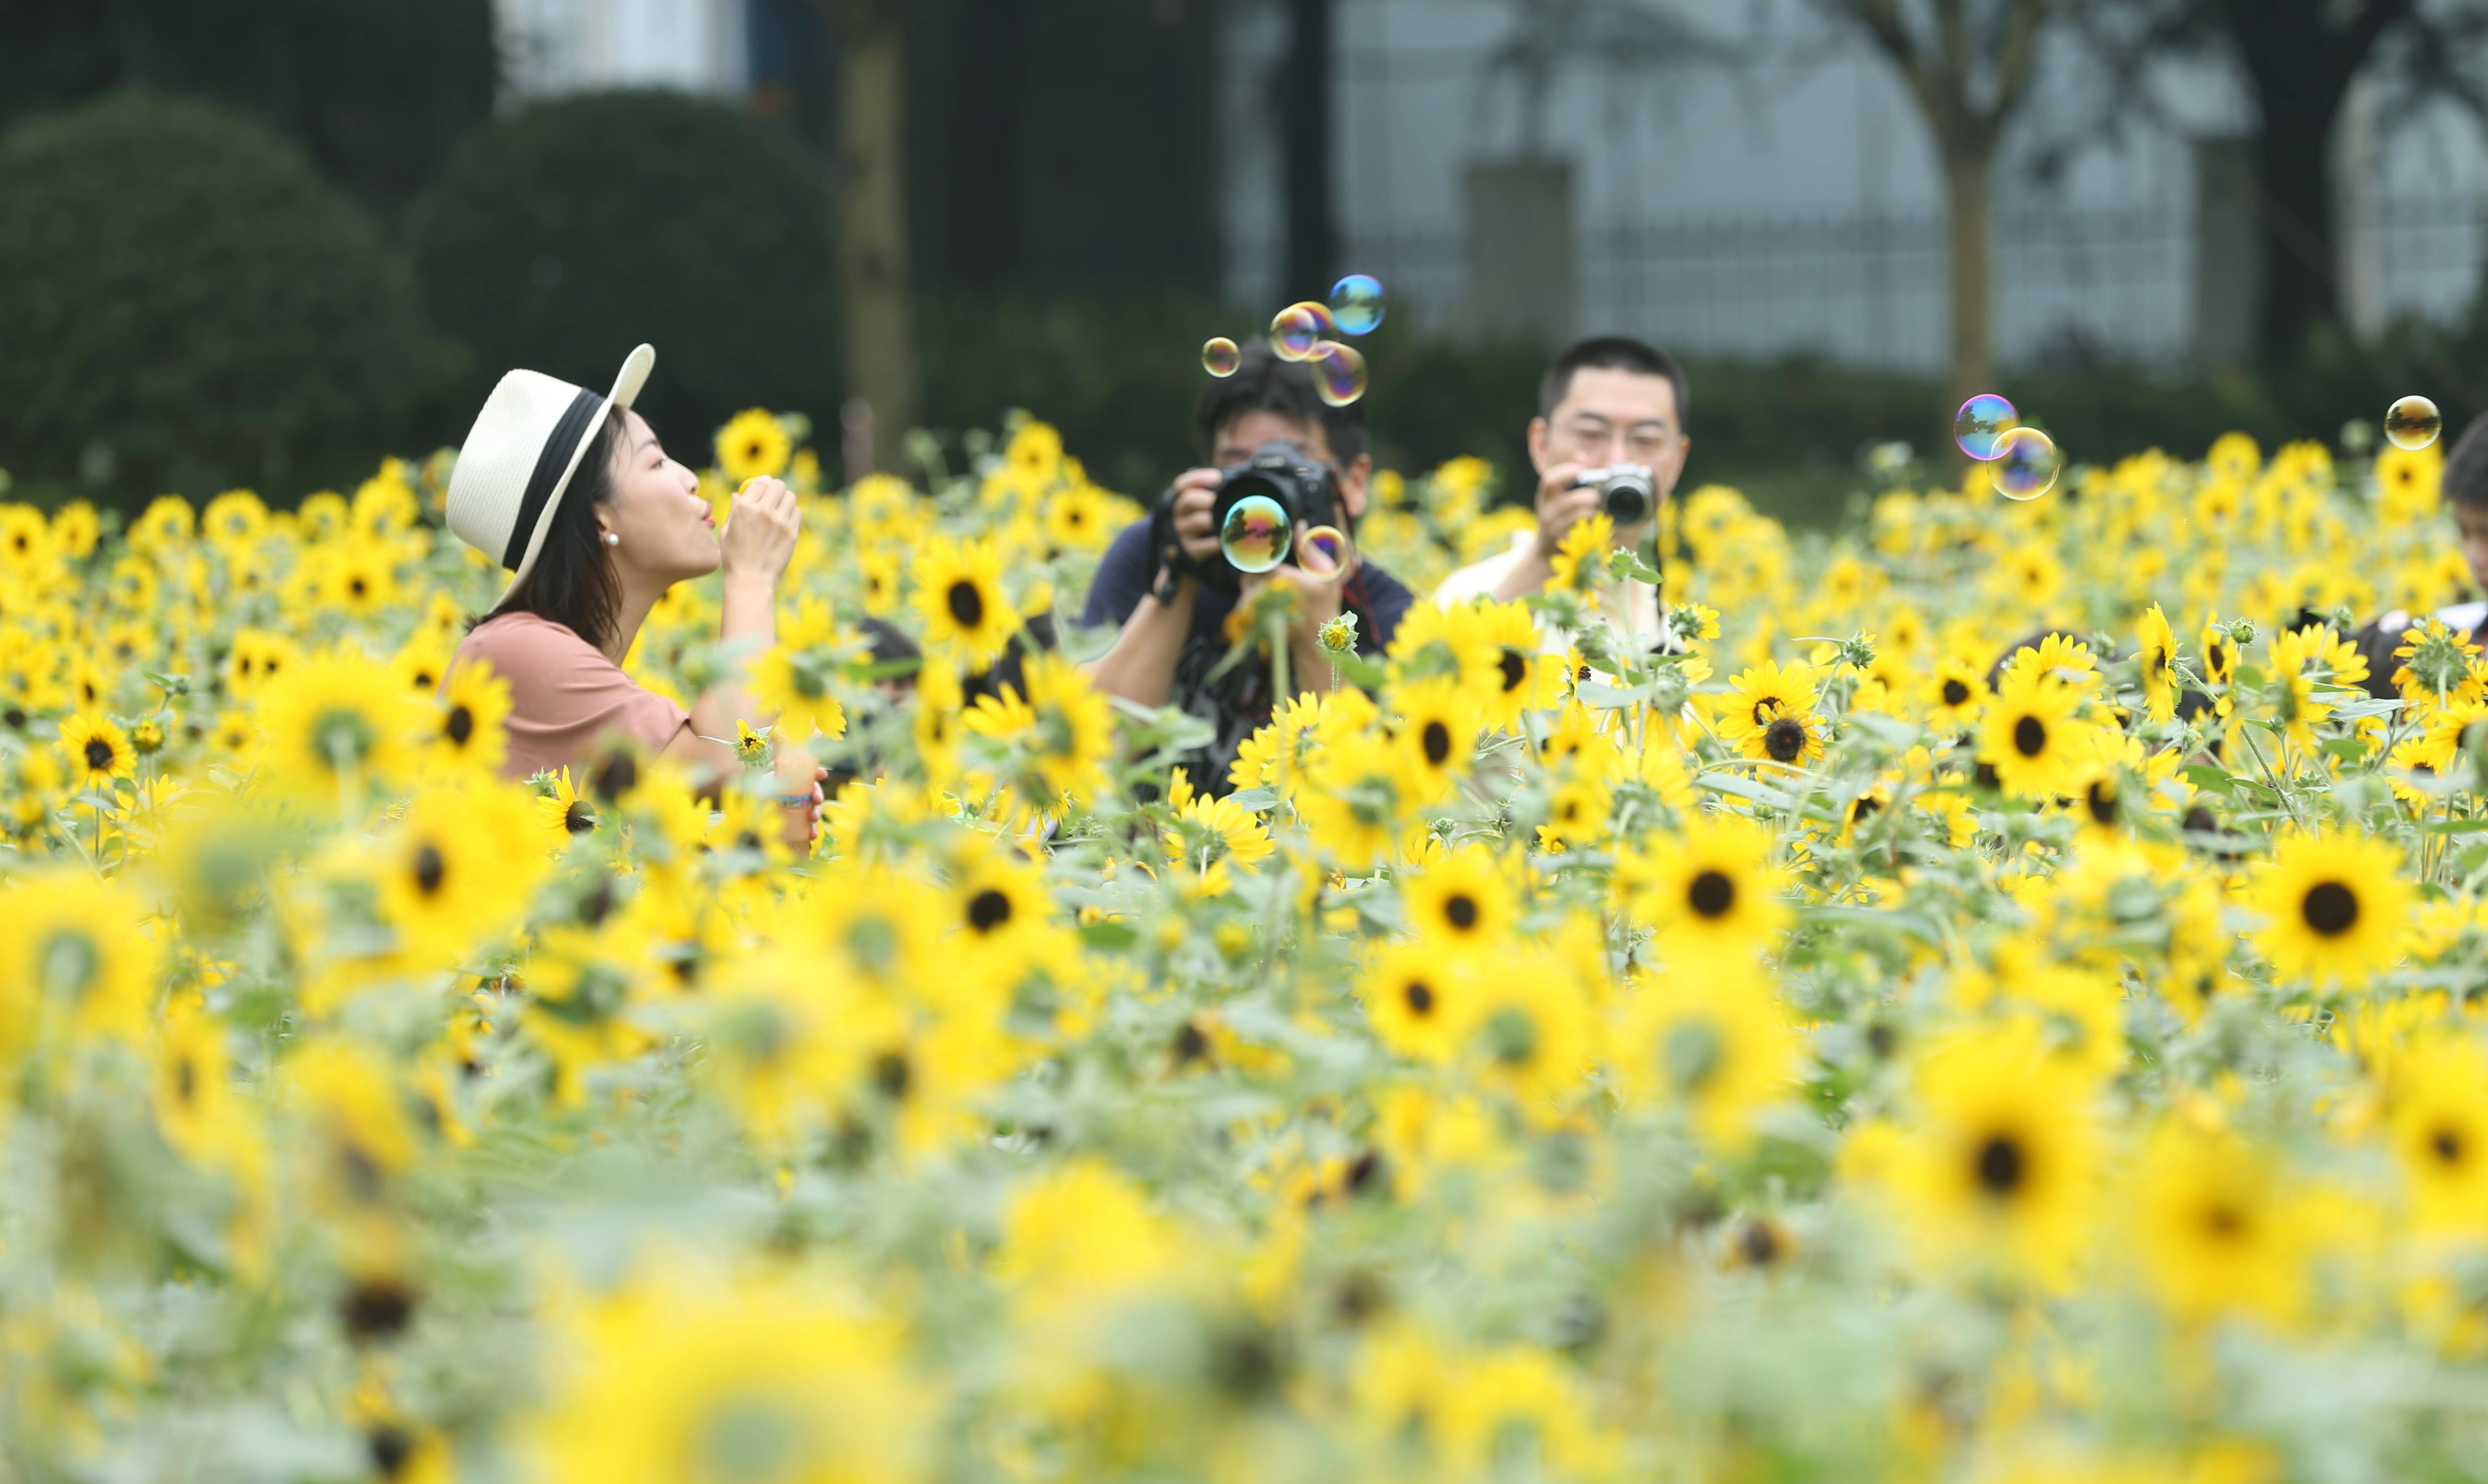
[1255, 535]
[1338, 373]
[1323, 550]
[2412, 423]
[1298, 329]
[2026, 463]
[1356, 301]
[1219, 357]
[1982, 423]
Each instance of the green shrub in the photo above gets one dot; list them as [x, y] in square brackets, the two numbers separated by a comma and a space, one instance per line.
[558, 239]
[181, 290]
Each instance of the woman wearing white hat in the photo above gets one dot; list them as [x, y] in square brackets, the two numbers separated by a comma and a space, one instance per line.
[573, 493]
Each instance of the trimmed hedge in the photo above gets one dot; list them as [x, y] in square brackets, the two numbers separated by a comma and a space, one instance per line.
[180, 288]
[558, 239]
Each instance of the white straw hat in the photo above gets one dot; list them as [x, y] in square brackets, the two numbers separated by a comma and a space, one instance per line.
[518, 456]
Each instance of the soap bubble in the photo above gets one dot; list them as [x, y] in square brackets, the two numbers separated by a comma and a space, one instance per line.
[1255, 535]
[1356, 301]
[1323, 552]
[1298, 329]
[2026, 463]
[1338, 373]
[1219, 357]
[2412, 423]
[1980, 426]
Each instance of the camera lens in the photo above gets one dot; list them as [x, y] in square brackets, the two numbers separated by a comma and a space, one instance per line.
[1624, 496]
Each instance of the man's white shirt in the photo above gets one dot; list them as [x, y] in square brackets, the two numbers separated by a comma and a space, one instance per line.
[1631, 607]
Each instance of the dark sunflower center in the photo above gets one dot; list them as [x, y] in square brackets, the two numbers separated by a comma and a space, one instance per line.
[2102, 799]
[2448, 1145]
[1190, 1045]
[1460, 911]
[1515, 669]
[98, 753]
[1784, 739]
[1956, 690]
[429, 868]
[460, 725]
[2002, 1165]
[1760, 1244]
[892, 1075]
[2225, 1222]
[376, 1309]
[1713, 894]
[1419, 996]
[967, 604]
[2330, 908]
[988, 910]
[1436, 739]
[579, 819]
[358, 587]
[2030, 737]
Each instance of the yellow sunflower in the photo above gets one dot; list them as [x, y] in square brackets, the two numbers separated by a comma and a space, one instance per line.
[2335, 906]
[474, 713]
[2032, 738]
[1713, 897]
[334, 722]
[795, 677]
[2001, 1176]
[75, 955]
[2156, 658]
[2215, 1225]
[1715, 1044]
[457, 869]
[958, 589]
[1462, 898]
[1437, 723]
[753, 444]
[1421, 998]
[96, 752]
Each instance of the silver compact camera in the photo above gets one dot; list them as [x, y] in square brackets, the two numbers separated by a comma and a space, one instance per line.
[1626, 492]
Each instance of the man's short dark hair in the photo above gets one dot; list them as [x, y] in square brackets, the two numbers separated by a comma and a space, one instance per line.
[1264, 383]
[1614, 352]
[2466, 468]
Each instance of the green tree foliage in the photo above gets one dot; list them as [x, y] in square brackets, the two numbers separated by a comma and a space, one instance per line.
[377, 91]
[558, 239]
[187, 302]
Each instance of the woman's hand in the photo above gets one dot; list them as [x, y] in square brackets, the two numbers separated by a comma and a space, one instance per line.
[760, 529]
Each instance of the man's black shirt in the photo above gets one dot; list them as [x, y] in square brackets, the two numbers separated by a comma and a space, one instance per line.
[1238, 703]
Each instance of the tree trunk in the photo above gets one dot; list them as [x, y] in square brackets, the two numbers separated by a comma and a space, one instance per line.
[871, 193]
[2297, 229]
[1969, 239]
[1304, 102]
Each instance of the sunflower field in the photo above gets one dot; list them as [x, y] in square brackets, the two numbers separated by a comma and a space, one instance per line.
[1991, 996]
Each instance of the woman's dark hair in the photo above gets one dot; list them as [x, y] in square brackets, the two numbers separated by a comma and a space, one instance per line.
[572, 583]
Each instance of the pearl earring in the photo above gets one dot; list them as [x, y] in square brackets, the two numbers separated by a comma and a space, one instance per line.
[613, 540]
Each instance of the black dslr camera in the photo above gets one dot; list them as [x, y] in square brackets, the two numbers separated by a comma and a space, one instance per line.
[1626, 492]
[1284, 473]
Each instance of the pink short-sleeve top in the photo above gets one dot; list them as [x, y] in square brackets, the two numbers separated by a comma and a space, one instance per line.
[565, 696]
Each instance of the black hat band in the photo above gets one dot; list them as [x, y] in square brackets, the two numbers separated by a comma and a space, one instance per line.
[560, 447]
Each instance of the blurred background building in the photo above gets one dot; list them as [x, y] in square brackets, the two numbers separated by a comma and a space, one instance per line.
[2191, 214]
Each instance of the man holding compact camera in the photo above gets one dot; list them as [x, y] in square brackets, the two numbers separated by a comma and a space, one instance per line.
[1609, 438]
[1171, 584]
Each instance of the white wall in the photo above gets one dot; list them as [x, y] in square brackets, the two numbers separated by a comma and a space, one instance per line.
[561, 46]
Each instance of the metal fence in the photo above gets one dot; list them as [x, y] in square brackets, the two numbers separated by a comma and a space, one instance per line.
[1872, 290]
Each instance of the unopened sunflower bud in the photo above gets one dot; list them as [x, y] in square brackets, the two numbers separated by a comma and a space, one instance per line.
[1339, 636]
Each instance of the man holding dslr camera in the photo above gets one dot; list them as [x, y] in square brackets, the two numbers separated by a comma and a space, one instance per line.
[1171, 587]
[1609, 438]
